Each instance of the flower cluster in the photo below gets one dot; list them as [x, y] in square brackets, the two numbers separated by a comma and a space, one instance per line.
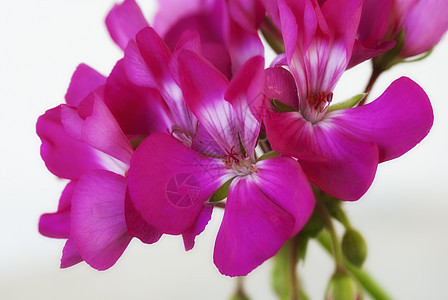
[190, 120]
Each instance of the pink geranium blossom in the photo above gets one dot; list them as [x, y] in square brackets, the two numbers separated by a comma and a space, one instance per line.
[268, 201]
[84, 142]
[423, 22]
[339, 151]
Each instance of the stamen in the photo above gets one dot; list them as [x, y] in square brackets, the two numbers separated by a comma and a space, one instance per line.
[320, 101]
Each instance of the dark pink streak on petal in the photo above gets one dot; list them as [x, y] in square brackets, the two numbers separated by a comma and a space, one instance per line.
[253, 229]
[84, 80]
[169, 182]
[98, 218]
[124, 21]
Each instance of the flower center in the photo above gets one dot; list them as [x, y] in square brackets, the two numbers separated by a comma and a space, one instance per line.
[239, 163]
[317, 105]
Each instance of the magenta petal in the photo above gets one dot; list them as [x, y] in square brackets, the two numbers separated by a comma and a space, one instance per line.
[338, 163]
[94, 124]
[397, 121]
[124, 21]
[197, 228]
[343, 18]
[169, 182]
[139, 111]
[253, 229]
[425, 24]
[137, 226]
[64, 156]
[70, 254]
[98, 218]
[156, 55]
[204, 143]
[203, 87]
[246, 94]
[242, 43]
[280, 85]
[84, 80]
[57, 225]
[282, 180]
[170, 11]
[374, 21]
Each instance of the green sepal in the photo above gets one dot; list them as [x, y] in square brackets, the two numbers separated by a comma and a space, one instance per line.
[281, 107]
[222, 192]
[349, 103]
[268, 155]
[390, 58]
[354, 247]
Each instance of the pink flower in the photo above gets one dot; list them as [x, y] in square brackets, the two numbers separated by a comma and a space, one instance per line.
[268, 201]
[424, 23]
[84, 142]
[225, 27]
[339, 151]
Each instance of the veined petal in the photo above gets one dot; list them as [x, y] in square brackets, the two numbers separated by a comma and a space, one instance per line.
[57, 225]
[70, 254]
[203, 87]
[396, 121]
[337, 162]
[197, 228]
[93, 123]
[98, 218]
[253, 229]
[245, 93]
[63, 155]
[84, 80]
[169, 182]
[124, 21]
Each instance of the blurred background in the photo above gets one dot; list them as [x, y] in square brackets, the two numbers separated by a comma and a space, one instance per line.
[403, 216]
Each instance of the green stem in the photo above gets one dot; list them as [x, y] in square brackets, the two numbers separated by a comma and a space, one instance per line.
[335, 246]
[292, 268]
[367, 282]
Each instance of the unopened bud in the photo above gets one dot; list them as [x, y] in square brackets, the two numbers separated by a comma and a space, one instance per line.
[354, 247]
[343, 287]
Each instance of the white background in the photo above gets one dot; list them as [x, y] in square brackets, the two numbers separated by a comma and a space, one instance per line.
[403, 216]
